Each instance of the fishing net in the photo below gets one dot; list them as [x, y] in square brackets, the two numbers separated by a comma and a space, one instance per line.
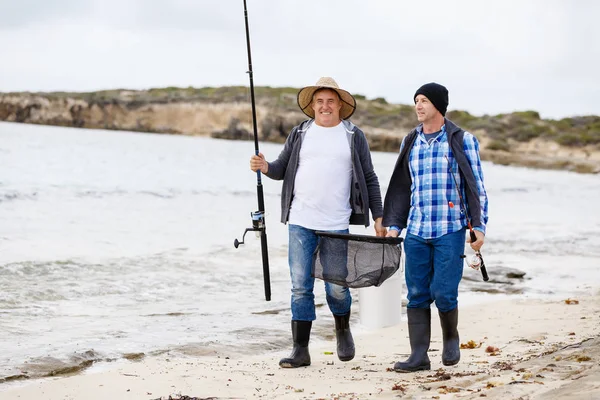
[355, 261]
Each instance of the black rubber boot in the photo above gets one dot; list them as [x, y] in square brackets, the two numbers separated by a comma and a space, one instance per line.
[451, 351]
[300, 356]
[419, 333]
[345, 342]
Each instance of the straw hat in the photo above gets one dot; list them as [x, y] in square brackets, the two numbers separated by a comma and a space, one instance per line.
[305, 96]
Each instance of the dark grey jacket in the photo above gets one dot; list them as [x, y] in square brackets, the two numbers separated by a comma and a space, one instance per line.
[364, 190]
[397, 198]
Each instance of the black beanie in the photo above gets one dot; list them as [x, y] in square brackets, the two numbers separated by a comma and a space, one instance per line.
[436, 93]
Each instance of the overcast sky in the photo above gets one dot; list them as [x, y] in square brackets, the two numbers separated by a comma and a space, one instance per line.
[494, 57]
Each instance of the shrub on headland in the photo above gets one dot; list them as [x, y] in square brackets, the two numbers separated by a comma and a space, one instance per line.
[219, 110]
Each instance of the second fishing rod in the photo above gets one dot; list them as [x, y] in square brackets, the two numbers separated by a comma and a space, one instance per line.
[478, 262]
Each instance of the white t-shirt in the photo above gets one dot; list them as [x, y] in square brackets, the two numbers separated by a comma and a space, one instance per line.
[322, 186]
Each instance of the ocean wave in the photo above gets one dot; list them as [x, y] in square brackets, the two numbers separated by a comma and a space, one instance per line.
[164, 194]
[579, 244]
[43, 367]
[71, 192]
[14, 196]
[39, 268]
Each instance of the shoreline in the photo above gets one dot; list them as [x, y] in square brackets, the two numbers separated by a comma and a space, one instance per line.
[546, 349]
[535, 155]
[521, 138]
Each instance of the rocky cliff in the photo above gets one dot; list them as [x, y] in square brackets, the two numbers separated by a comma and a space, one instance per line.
[520, 138]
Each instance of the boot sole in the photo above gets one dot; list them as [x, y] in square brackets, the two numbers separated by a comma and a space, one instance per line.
[290, 365]
[426, 367]
[346, 358]
[451, 362]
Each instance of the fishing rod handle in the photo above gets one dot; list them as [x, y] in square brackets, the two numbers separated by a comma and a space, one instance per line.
[484, 273]
[473, 237]
[265, 259]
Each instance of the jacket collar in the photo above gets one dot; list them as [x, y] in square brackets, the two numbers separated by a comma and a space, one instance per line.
[449, 126]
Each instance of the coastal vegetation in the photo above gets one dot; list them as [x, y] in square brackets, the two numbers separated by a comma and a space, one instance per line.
[520, 138]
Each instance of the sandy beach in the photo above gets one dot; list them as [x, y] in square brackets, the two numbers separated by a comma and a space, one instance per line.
[523, 349]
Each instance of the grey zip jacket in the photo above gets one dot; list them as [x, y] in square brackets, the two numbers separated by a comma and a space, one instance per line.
[365, 192]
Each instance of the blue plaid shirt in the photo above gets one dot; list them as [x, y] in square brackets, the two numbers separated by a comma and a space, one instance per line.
[433, 188]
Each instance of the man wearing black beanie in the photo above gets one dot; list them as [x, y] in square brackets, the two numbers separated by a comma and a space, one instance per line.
[436, 93]
[421, 198]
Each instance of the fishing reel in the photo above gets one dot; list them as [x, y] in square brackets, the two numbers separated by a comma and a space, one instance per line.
[258, 226]
[476, 262]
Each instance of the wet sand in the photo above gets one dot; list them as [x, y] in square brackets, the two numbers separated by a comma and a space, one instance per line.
[522, 348]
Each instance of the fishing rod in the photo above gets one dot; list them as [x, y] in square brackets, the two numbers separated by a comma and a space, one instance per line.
[258, 217]
[478, 262]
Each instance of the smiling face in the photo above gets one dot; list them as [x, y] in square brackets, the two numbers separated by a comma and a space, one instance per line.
[326, 104]
[425, 109]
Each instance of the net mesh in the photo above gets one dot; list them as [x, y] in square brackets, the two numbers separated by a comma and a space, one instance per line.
[355, 261]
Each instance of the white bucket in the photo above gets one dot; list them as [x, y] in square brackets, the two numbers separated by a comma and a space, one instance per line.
[380, 307]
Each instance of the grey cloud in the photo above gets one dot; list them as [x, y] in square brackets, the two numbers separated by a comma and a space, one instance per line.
[182, 15]
[22, 13]
[379, 48]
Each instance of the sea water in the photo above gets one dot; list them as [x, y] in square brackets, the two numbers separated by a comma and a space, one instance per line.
[120, 244]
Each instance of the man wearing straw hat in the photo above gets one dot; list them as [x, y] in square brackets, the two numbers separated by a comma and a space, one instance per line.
[421, 198]
[328, 183]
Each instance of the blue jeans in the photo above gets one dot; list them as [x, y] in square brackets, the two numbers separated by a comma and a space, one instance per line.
[434, 269]
[302, 245]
